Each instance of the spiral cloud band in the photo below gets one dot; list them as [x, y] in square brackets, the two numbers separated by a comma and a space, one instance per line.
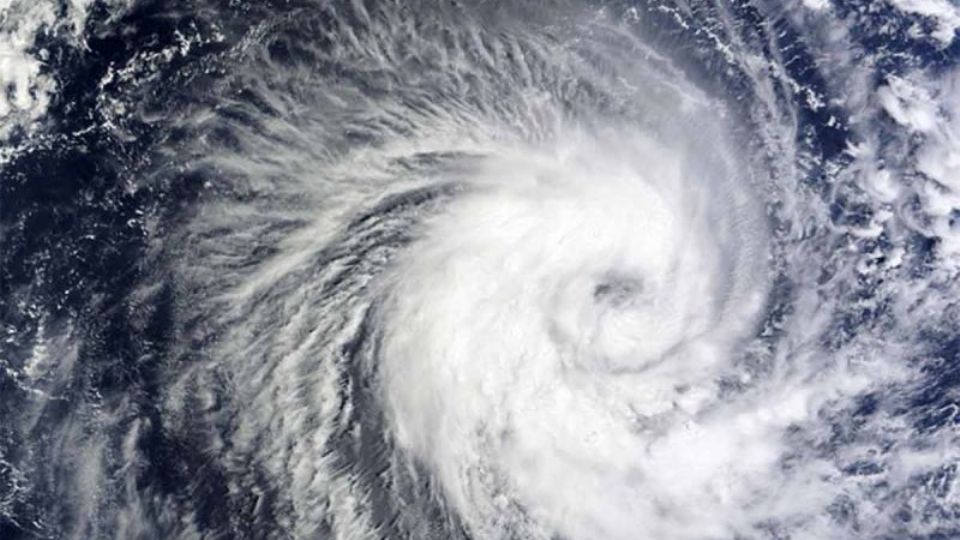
[497, 270]
[553, 335]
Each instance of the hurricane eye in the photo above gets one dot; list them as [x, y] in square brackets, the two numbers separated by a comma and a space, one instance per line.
[618, 291]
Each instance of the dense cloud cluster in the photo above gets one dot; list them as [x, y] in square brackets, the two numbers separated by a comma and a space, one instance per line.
[427, 270]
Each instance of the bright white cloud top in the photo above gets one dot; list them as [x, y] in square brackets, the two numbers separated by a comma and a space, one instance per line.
[645, 270]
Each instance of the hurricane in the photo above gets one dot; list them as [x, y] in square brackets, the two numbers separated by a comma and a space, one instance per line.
[499, 269]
